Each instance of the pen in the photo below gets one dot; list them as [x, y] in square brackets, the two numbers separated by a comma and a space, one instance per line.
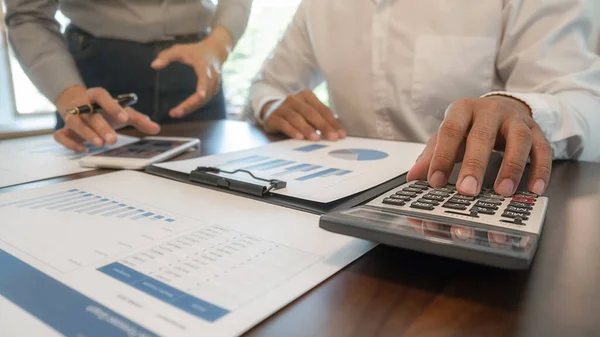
[123, 100]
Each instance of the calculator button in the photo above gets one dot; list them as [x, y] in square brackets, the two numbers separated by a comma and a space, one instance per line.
[434, 197]
[524, 201]
[491, 201]
[427, 201]
[521, 210]
[420, 182]
[463, 197]
[440, 193]
[527, 194]
[482, 210]
[459, 201]
[519, 196]
[488, 205]
[411, 189]
[455, 206]
[422, 205]
[521, 205]
[514, 215]
[400, 197]
[419, 187]
[491, 196]
[406, 193]
[448, 189]
[395, 202]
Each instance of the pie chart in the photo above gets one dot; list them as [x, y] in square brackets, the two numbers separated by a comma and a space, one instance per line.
[358, 154]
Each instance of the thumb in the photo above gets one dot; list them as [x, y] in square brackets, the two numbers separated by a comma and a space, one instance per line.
[167, 57]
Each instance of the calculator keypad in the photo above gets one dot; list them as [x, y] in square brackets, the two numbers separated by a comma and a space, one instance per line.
[419, 195]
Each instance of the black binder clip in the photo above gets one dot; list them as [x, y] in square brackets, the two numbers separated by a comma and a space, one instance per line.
[209, 175]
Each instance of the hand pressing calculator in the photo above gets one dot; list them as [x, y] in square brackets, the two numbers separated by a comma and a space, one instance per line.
[488, 229]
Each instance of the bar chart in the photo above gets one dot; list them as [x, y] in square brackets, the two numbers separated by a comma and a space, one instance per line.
[83, 202]
[276, 167]
[86, 222]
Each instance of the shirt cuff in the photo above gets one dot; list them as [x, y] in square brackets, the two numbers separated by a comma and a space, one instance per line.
[54, 75]
[277, 100]
[540, 109]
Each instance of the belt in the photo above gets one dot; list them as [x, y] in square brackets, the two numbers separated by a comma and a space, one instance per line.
[171, 38]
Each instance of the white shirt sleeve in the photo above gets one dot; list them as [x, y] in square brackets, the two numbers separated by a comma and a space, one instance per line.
[546, 60]
[290, 68]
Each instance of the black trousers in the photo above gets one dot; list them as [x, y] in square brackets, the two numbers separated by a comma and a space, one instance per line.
[123, 66]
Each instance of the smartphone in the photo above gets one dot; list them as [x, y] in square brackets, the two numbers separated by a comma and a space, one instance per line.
[138, 155]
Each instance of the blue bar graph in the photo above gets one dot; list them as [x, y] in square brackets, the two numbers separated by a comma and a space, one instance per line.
[112, 206]
[141, 216]
[81, 198]
[268, 165]
[119, 209]
[342, 172]
[76, 205]
[246, 160]
[97, 204]
[44, 197]
[319, 174]
[88, 204]
[299, 168]
[310, 148]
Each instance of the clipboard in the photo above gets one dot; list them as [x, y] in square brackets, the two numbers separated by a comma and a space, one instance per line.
[260, 188]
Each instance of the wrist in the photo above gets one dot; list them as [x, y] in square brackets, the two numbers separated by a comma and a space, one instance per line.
[71, 97]
[269, 107]
[221, 41]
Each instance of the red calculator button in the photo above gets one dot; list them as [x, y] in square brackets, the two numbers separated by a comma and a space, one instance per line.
[524, 201]
[524, 197]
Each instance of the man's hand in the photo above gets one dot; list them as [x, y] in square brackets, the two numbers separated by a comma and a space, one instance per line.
[96, 128]
[299, 116]
[207, 58]
[471, 130]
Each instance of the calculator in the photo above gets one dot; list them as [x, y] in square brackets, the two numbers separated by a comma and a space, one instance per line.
[488, 229]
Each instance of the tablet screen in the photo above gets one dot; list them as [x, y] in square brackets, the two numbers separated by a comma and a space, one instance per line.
[142, 149]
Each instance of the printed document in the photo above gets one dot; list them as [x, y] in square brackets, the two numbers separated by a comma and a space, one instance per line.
[131, 254]
[323, 172]
[29, 159]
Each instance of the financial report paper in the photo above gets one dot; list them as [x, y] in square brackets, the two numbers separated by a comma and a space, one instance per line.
[323, 172]
[35, 158]
[130, 254]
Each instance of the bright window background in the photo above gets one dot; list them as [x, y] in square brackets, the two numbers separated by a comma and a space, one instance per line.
[268, 21]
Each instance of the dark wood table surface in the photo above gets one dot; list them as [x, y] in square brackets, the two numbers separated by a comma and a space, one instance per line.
[395, 292]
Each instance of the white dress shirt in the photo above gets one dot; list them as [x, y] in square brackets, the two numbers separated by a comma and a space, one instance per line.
[393, 66]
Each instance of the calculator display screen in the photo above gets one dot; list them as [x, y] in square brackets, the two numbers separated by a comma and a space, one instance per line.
[142, 149]
[465, 235]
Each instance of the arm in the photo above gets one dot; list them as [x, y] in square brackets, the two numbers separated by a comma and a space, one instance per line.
[545, 60]
[550, 109]
[233, 15]
[291, 67]
[40, 47]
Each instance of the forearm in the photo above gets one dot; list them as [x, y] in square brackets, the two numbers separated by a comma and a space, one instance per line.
[546, 60]
[233, 15]
[41, 49]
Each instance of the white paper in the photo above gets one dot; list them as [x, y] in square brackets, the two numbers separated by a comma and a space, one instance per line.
[30, 159]
[248, 257]
[321, 172]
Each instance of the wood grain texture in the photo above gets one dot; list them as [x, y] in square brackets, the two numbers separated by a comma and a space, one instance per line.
[395, 292]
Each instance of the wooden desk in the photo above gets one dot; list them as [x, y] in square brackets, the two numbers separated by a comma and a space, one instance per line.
[393, 292]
